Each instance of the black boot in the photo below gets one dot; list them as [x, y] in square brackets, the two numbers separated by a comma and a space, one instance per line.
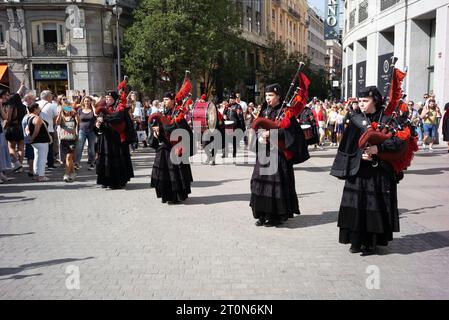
[260, 222]
[355, 248]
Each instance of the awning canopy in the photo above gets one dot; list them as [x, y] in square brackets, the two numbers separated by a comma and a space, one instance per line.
[3, 69]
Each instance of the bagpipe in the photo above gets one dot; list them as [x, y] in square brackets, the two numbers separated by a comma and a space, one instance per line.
[182, 99]
[168, 123]
[378, 132]
[289, 109]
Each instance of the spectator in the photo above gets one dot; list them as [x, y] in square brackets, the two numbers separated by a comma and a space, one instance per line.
[5, 159]
[430, 116]
[156, 107]
[87, 119]
[445, 125]
[419, 128]
[241, 102]
[340, 124]
[249, 116]
[40, 139]
[332, 124]
[13, 127]
[137, 116]
[68, 120]
[49, 112]
[29, 99]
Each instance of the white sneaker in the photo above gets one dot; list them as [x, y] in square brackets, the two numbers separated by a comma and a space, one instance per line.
[424, 147]
[66, 178]
[430, 149]
[72, 176]
[17, 167]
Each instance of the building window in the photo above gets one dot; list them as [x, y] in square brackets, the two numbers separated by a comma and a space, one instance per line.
[363, 11]
[259, 5]
[352, 19]
[385, 4]
[48, 38]
[2, 34]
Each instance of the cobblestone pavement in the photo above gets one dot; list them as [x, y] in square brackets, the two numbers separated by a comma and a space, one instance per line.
[125, 244]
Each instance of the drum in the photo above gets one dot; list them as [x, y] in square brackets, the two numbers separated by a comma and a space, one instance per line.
[307, 129]
[229, 127]
[204, 115]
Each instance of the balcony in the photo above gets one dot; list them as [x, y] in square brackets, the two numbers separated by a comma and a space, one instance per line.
[49, 50]
[294, 13]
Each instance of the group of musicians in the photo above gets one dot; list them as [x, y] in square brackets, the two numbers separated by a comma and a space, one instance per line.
[368, 213]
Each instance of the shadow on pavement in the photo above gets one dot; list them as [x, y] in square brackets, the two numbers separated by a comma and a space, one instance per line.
[19, 277]
[314, 169]
[428, 172]
[311, 220]
[417, 210]
[205, 184]
[30, 266]
[4, 199]
[15, 234]
[416, 243]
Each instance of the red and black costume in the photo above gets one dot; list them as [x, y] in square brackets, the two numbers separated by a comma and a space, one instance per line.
[171, 181]
[114, 167]
[368, 213]
[273, 197]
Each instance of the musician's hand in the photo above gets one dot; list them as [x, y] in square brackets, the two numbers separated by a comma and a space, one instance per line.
[156, 132]
[225, 117]
[266, 135]
[371, 150]
[366, 157]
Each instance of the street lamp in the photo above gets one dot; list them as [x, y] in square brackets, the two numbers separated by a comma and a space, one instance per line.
[118, 11]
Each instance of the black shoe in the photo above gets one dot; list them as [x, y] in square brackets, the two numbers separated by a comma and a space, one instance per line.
[260, 222]
[367, 251]
[355, 249]
[272, 223]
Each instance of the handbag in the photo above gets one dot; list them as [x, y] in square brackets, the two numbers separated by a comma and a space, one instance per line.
[141, 136]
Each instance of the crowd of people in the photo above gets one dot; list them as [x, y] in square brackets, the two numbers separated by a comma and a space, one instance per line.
[50, 129]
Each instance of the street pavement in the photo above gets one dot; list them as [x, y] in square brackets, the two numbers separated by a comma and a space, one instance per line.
[77, 241]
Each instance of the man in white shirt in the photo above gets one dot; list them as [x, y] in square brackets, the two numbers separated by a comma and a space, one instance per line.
[49, 112]
[241, 103]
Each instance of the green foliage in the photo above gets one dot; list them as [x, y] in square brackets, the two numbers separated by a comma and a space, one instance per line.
[171, 36]
[280, 67]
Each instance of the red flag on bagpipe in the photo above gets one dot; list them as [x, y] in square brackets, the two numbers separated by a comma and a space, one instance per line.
[300, 100]
[395, 91]
[121, 88]
[184, 90]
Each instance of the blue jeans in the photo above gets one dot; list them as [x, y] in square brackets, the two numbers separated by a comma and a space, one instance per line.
[91, 138]
[430, 130]
[419, 131]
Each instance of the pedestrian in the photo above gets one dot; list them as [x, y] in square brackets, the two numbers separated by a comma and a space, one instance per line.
[13, 126]
[445, 125]
[68, 121]
[5, 158]
[87, 117]
[40, 139]
[234, 115]
[49, 113]
[430, 115]
[368, 213]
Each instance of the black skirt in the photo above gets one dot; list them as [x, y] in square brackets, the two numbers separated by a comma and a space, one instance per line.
[114, 166]
[171, 181]
[274, 196]
[369, 211]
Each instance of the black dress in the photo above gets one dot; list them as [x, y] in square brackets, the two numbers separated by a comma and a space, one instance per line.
[171, 181]
[445, 126]
[368, 212]
[273, 197]
[114, 167]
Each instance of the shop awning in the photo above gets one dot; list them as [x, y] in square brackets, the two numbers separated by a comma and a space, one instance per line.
[3, 69]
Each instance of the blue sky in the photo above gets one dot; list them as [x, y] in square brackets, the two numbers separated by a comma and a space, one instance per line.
[317, 3]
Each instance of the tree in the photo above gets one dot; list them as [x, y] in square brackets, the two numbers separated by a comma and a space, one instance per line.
[170, 36]
[280, 67]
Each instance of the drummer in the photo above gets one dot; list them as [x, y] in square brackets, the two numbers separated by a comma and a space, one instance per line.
[234, 113]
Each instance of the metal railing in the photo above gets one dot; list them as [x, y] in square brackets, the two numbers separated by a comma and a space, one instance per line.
[49, 50]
